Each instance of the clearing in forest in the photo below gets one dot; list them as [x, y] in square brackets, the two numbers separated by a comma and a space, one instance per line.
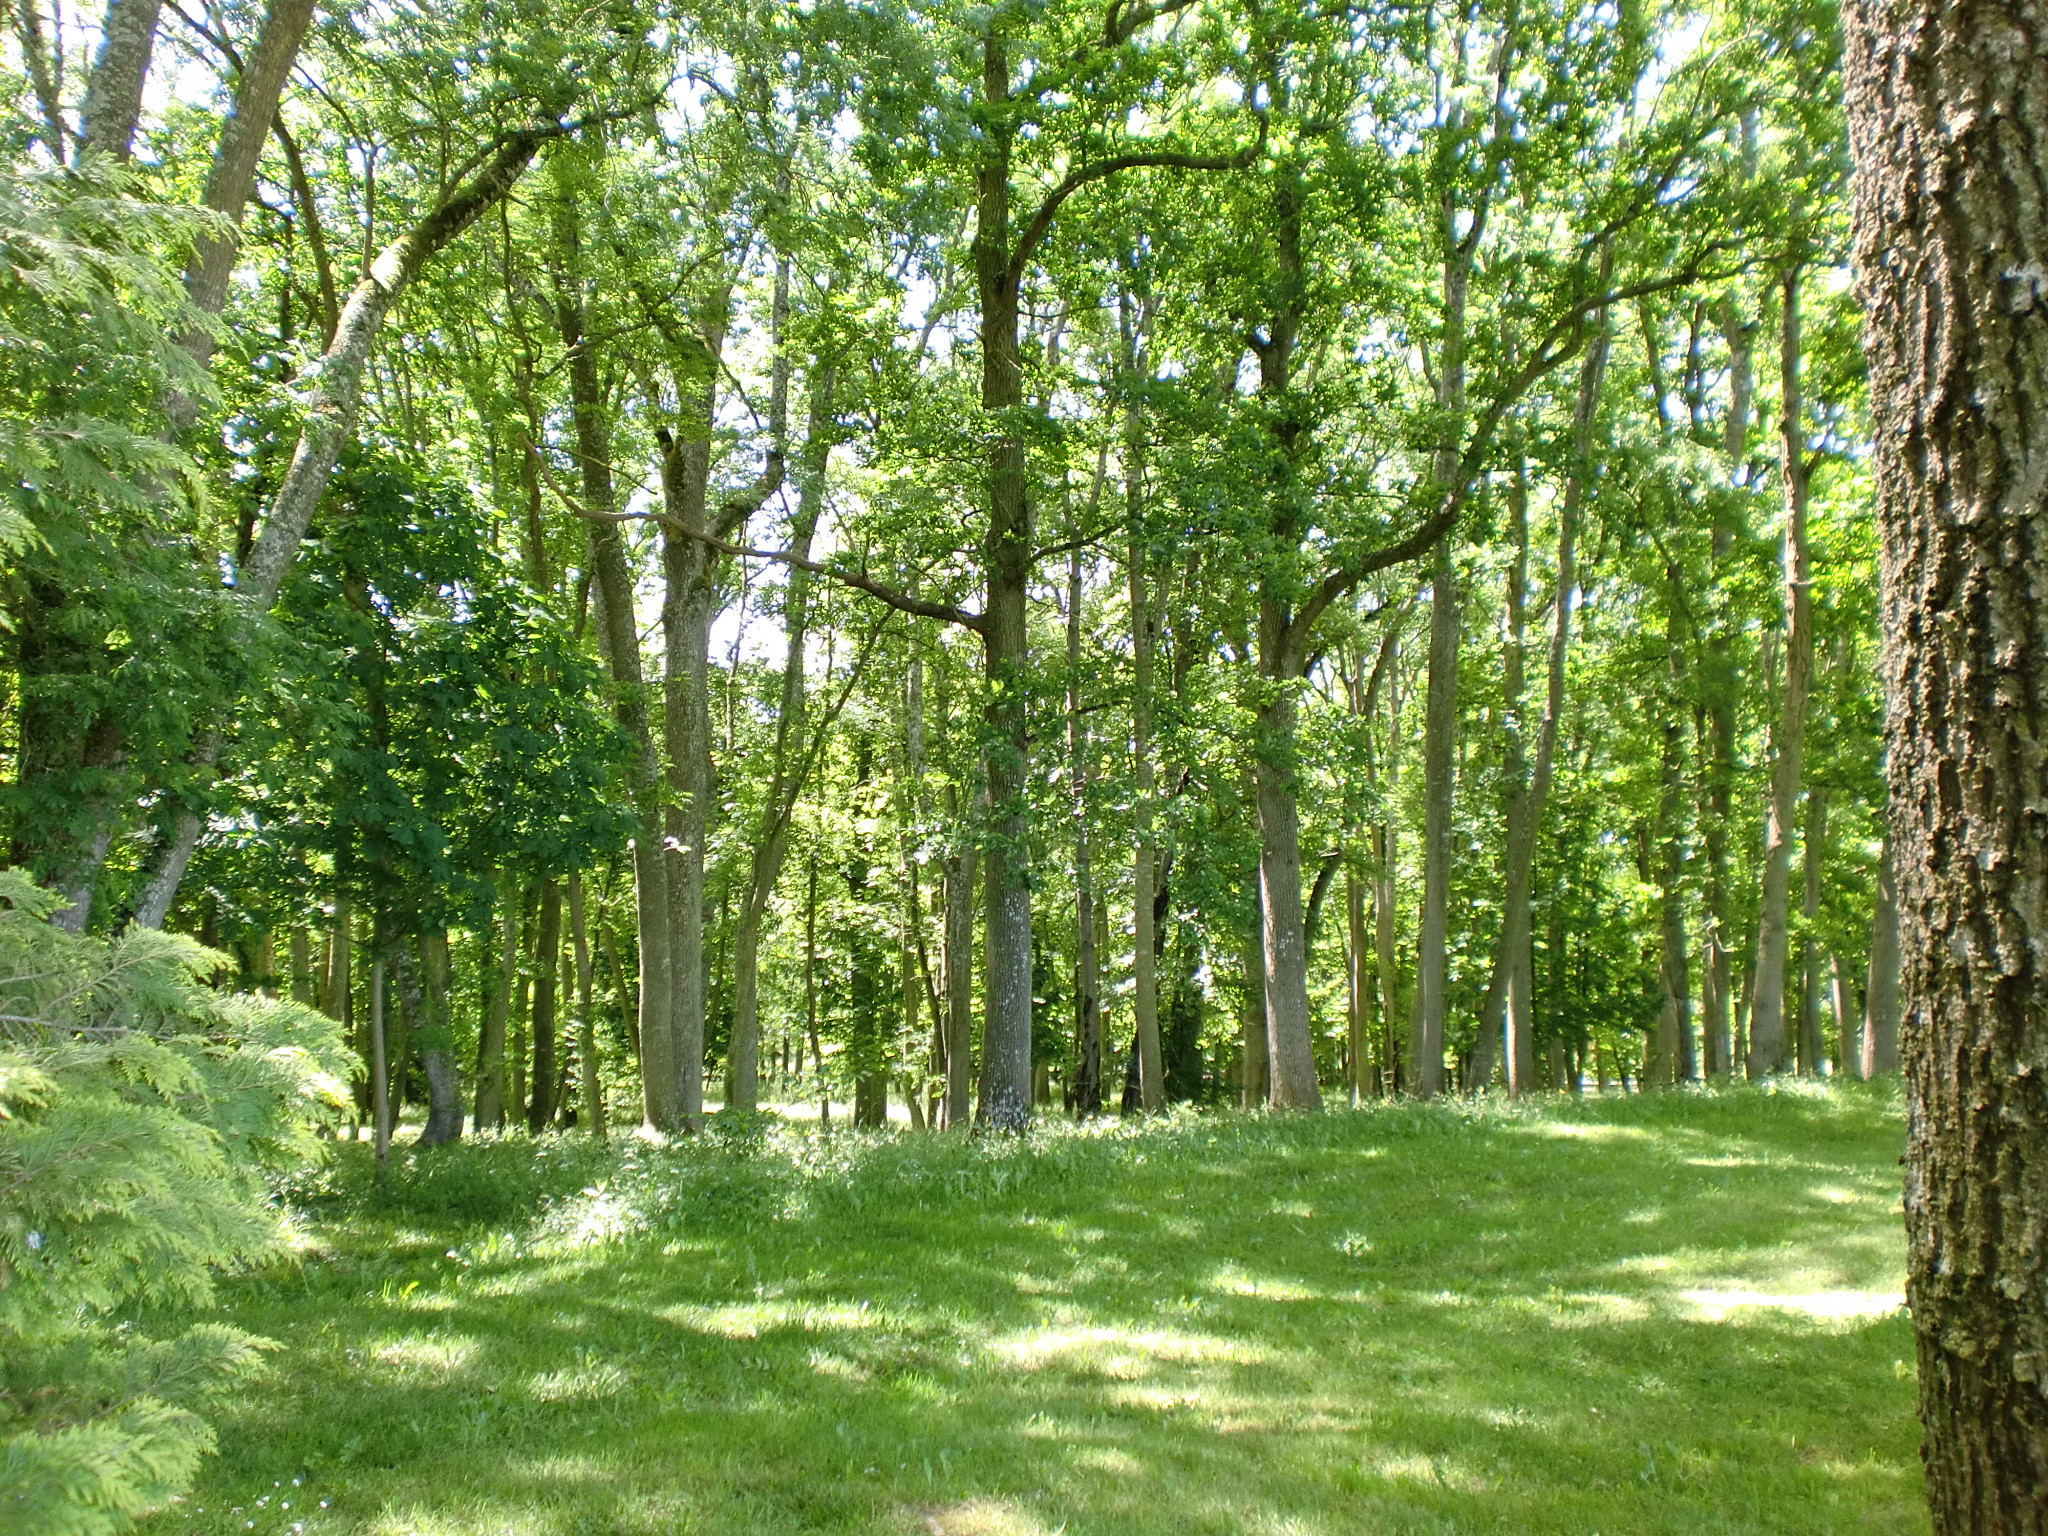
[1671, 1313]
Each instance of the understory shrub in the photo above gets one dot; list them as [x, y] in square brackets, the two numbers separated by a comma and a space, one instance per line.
[140, 1112]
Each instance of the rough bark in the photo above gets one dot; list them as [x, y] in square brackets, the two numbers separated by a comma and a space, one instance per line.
[113, 92]
[1948, 113]
[232, 176]
[1768, 1047]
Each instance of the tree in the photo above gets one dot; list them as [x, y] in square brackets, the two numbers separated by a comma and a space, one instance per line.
[1947, 108]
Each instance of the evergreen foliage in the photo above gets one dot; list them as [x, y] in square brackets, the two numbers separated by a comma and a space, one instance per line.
[140, 1112]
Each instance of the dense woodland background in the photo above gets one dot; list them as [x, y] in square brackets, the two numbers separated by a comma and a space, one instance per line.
[1425, 457]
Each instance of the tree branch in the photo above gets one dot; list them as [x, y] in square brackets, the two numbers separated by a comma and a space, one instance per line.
[1041, 221]
[903, 602]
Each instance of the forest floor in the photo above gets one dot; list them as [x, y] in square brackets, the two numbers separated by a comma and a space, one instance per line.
[1675, 1313]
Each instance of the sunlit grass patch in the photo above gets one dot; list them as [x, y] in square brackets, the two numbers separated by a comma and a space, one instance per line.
[1405, 1319]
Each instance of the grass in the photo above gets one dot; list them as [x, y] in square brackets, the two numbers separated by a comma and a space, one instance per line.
[1675, 1313]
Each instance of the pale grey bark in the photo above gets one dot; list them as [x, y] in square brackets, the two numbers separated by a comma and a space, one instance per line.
[113, 92]
[232, 176]
[334, 392]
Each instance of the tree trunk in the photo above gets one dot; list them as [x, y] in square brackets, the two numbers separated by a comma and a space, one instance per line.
[1880, 1044]
[113, 92]
[619, 640]
[490, 1049]
[789, 769]
[1767, 1042]
[1145, 851]
[1515, 777]
[1439, 767]
[1718, 998]
[1006, 1003]
[1948, 113]
[1364, 1074]
[1386, 849]
[592, 1084]
[1087, 970]
[957, 962]
[328, 426]
[1254, 1068]
[1811, 1050]
[232, 176]
[547, 968]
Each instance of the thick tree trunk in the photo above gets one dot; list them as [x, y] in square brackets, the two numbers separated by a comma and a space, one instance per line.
[113, 92]
[1006, 1029]
[1948, 113]
[490, 1049]
[1290, 1051]
[1768, 1047]
[232, 176]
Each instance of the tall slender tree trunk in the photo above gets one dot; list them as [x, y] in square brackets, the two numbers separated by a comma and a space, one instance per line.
[328, 425]
[1364, 1073]
[1767, 1042]
[1718, 998]
[591, 1082]
[1948, 116]
[1145, 851]
[1812, 1051]
[957, 962]
[619, 640]
[1254, 1071]
[1006, 1029]
[1087, 970]
[547, 969]
[1880, 1044]
[1439, 768]
[1385, 910]
[787, 773]
[1515, 777]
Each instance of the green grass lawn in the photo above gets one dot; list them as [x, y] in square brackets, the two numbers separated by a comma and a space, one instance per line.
[1677, 1313]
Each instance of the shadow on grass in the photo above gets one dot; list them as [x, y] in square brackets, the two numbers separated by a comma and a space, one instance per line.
[1650, 1315]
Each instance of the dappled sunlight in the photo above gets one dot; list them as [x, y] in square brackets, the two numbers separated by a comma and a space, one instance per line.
[1255, 1340]
[1827, 1306]
[981, 1517]
[1099, 1348]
